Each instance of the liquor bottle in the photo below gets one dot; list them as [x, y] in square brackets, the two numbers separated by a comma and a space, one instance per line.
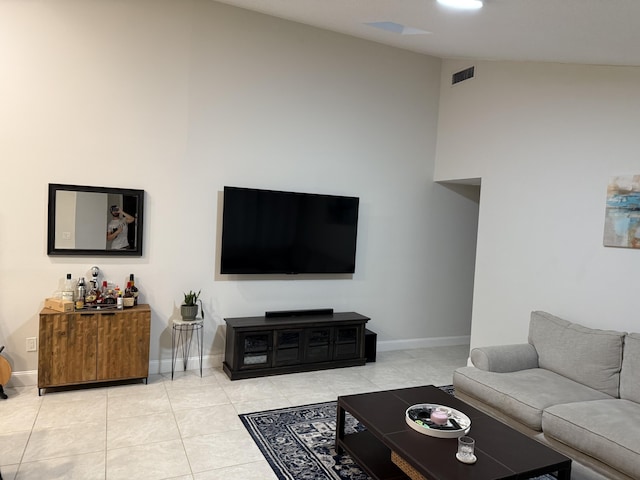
[102, 293]
[68, 289]
[134, 290]
[108, 297]
[127, 300]
[92, 294]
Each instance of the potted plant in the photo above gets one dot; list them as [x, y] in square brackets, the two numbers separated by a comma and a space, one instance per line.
[189, 308]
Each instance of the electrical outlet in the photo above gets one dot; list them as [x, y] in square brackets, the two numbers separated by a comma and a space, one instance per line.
[32, 344]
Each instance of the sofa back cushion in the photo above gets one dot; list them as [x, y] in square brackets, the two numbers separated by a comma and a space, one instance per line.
[588, 356]
[630, 374]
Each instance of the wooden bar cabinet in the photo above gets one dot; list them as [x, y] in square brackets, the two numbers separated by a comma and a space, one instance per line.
[90, 346]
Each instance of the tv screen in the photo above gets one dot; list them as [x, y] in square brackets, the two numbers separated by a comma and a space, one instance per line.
[266, 231]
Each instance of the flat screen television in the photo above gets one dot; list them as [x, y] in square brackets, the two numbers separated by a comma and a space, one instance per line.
[274, 232]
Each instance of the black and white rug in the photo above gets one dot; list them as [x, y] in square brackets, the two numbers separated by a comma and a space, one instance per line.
[299, 442]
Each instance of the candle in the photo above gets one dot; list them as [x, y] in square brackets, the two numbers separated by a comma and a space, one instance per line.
[439, 416]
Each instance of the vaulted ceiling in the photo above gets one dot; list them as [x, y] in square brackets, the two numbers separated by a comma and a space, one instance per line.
[600, 32]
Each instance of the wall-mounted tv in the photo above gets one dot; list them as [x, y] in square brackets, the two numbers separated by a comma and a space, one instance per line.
[274, 232]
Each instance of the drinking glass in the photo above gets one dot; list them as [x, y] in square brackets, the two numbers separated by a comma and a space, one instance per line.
[466, 446]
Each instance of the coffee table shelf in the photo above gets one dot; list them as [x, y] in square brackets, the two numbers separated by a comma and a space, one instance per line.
[372, 455]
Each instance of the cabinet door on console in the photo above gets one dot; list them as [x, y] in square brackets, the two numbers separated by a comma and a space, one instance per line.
[67, 349]
[123, 345]
[348, 342]
[255, 349]
[318, 344]
[288, 348]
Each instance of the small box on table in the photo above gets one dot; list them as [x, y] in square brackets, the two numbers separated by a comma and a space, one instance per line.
[58, 304]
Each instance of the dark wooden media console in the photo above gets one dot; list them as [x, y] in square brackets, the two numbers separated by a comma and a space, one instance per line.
[259, 346]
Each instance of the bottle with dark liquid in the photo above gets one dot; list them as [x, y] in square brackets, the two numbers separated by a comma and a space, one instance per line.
[128, 299]
[134, 290]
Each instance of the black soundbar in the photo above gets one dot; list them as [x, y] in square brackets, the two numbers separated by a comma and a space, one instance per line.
[299, 313]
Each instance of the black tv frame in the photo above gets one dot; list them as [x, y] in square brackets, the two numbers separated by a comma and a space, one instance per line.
[258, 238]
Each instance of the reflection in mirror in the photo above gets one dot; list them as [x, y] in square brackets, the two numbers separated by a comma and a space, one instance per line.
[87, 220]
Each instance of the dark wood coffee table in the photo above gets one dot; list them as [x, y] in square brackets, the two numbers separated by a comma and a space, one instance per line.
[502, 452]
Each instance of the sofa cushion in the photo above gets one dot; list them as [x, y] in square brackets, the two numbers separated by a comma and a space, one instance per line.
[589, 356]
[505, 358]
[630, 374]
[524, 394]
[604, 429]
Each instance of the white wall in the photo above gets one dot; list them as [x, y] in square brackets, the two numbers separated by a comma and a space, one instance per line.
[544, 139]
[182, 98]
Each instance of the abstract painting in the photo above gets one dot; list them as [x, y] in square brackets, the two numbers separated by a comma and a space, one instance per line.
[622, 217]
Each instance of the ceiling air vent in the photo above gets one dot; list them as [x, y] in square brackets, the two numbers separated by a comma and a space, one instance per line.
[463, 75]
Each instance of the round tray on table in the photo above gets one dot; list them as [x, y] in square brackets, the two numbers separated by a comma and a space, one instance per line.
[418, 418]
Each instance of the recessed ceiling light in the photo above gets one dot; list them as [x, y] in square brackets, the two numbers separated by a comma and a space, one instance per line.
[462, 4]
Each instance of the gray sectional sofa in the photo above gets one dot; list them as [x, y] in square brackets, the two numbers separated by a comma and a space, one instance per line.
[571, 387]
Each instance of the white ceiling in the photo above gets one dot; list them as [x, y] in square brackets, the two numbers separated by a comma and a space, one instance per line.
[601, 32]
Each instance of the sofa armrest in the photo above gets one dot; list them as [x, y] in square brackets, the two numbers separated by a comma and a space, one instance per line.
[505, 358]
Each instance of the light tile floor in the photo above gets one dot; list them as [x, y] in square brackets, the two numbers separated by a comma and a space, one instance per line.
[183, 429]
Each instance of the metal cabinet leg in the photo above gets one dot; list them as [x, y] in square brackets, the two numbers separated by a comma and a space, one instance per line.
[200, 346]
[173, 350]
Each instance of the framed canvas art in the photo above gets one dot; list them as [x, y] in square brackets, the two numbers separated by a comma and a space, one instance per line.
[622, 216]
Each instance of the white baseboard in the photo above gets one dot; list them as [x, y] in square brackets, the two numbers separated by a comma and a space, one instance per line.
[410, 344]
[29, 378]
[157, 367]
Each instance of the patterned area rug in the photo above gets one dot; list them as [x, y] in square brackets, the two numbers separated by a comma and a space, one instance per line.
[298, 442]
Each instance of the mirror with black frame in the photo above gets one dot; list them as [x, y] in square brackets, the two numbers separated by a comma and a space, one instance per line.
[85, 220]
